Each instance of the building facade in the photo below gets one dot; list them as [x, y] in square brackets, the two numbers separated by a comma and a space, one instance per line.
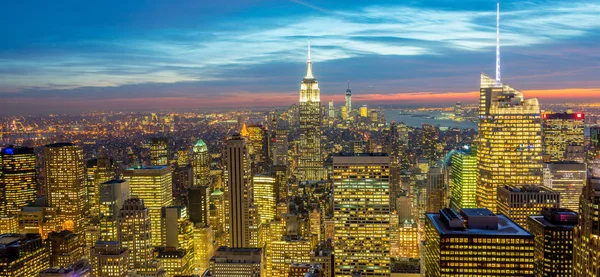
[518, 203]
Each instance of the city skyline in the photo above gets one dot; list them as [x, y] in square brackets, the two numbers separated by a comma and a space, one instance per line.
[175, 56]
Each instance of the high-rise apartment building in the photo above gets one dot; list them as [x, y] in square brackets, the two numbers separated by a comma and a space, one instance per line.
[17, 179]
[109, 259]
[112, 196]
[463, 179]
[559, 131]
[361, 214]
[518, 203]
[64, 178]
[476, 243]
[97, 171]
[310, 162]
[264, 197]
[22, 256]
[586, 262]
[135, 232]
[239, 190]
[201, 164]
[567, 178]
[227, 262]
[553, 231]
[510, 141]
[159, 151]
[153, 184]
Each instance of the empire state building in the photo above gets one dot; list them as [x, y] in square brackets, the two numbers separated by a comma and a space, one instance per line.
[310, 163]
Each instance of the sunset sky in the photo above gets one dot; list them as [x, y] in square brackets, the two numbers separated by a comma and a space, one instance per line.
[71, 56]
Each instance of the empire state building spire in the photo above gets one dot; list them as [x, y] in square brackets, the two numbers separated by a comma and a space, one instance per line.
[309, 74]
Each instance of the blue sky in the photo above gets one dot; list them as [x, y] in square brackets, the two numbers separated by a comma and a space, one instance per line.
[74, 55]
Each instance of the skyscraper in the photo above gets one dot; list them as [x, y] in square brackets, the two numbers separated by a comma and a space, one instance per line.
[361, 214]
[330, 110]
[553, 231]
[239, 190]
[65, 184]
[153, 184]
[22, 256]
[568, 179]
[559, 131]
[97, 171]
[348, 104]
[279, 144]
[201, 164]
[476, 243]
[463, 179]
[112, 196]
[159, 151]
[64, 248]
[518, 203]
[264, 197]
[17, 179]
[310, 164]
[586, 262]
[109, 259]
[428, 141]
[135, 232]
[510, 137]
[510, 142]
[236, 262]
[436, 192]
[258, 139]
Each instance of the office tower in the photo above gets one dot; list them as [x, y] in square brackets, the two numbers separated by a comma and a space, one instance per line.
[65, 248]
[17, 179]
[182, 180]
[153, 184]
[258, 140]
[279, 144]
[568, 179]
[264, 197]
[481, 243]
[175, 262]
[135, 232]
[463, 179]
[112, 196]
[239, 190]
[361, 214]
[331, 110]
[159, 151]
[518, 203]
[310, 164]
[586, 262]
[65, 184]
[553, 231]
[97, 171]
[559, 131]
[408, 240]
[348, 104]
[201, 164]
[458, 111]
[90, 236]
[203, 247]
[246, 262]
[510, 143]
[344, 112]
[199, 204]
[428, 141]
[219, 216]
[183, 157]
[436, 193]
[109, 259]
[363, 111]
[286, 251]
[37, 219]
[177, 231]
[22, 256]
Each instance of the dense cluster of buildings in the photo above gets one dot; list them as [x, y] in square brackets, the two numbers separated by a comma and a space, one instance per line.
[315, 191]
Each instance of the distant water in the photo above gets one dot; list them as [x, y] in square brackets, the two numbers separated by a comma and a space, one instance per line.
[415, 119]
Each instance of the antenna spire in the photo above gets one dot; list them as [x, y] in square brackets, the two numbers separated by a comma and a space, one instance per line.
[498, 74]
[309, 74]
[348, 84]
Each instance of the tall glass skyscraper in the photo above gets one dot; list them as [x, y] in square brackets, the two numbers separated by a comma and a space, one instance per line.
[17, 179]
[361, 185]
[310, 163]
[510, 141]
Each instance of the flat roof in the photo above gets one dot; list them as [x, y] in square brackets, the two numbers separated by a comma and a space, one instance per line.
[506, 228]
[543, 221]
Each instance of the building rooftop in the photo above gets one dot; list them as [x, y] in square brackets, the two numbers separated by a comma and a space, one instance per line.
[148, 167]
[60, 144]
[19, 150]
[528, 188]
[115, 181]
[479, 218]
[348, 154]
